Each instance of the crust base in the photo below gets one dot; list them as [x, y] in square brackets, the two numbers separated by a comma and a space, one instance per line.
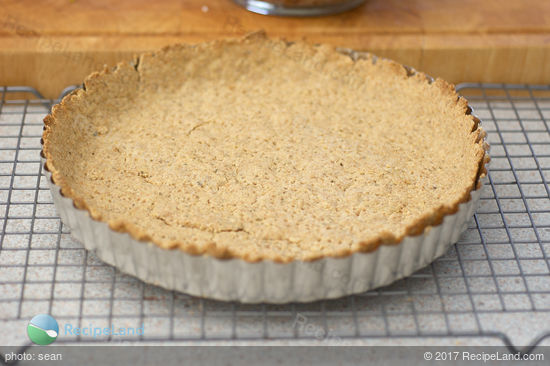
[79, 121]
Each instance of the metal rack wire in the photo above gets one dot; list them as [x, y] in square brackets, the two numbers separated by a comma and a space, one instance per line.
[494, 280]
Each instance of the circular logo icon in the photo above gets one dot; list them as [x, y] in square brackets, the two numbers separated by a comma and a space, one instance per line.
[43, 329]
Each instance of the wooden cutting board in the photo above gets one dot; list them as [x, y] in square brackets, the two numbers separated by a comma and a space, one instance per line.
[55, 43]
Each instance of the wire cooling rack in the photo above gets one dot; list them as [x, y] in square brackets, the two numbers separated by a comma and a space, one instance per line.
[494, 282]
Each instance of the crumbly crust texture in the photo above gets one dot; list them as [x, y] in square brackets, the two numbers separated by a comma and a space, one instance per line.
[262, 149]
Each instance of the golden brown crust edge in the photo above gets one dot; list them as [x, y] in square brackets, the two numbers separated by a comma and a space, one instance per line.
[417, 228]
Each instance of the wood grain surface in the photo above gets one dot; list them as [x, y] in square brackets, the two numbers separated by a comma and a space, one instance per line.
[55, 43]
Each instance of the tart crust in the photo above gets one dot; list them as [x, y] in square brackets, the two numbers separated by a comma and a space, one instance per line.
[115, 96]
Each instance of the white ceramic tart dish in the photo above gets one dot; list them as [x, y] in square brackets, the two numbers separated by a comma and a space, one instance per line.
[259, 170]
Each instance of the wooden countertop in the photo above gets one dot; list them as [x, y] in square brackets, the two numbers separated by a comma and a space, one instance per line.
[51, 44]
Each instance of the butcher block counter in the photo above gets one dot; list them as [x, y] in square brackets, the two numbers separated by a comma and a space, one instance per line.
[55, 43]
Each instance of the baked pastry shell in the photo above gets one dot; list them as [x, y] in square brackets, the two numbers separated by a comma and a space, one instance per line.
[236, 279]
